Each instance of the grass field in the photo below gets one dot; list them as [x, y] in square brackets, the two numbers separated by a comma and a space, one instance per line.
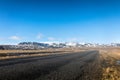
[8, 54]
[111, 69]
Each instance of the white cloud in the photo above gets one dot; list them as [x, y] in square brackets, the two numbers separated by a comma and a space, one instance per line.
[15, 38]
[39, 36]
[51, 38]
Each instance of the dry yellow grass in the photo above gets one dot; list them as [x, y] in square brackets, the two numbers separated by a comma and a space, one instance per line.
[9, 54]
[24, 51]
[44, 50]
[111, 71]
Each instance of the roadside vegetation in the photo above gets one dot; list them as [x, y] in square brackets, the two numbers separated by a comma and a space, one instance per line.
[111, 69]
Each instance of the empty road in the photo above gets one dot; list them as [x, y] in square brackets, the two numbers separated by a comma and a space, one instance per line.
[70, 66]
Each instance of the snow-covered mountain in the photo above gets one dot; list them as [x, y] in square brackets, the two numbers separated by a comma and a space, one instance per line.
[37, 45]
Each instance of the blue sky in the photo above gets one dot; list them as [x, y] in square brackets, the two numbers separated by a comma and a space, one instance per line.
[96, 21]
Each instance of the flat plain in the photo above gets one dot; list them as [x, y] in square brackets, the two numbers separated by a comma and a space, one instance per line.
[61, 64]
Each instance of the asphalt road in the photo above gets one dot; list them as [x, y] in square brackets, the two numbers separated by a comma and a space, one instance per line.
[33, 68]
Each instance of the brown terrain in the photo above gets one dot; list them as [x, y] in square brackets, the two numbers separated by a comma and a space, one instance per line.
[60, 64]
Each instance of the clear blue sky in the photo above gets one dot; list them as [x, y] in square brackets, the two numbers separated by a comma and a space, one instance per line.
[96, 21]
